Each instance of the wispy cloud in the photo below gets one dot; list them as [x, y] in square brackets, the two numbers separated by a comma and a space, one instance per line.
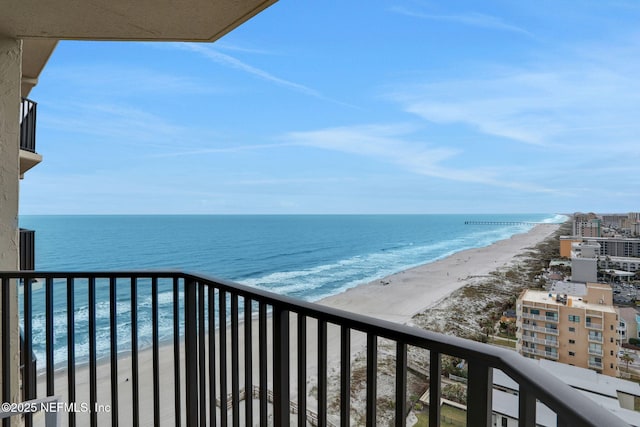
[397, 145]
[474, 19]
[552, 102]
[232, 62]
[128, 81]
[218, 150]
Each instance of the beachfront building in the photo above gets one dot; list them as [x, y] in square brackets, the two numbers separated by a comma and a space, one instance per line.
[587, 227]
[573, 323]
[629, 326]
[584, 261]
[204, 376]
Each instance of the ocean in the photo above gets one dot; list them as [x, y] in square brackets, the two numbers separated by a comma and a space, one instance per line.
[302, 256]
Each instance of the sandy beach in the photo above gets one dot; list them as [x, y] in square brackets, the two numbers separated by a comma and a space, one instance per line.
[396, 298]
[399, 297]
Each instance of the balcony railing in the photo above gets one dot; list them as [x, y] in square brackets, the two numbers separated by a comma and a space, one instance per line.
[595, 352]
[595, 338]
[539, 317]
[219, 354]
[529, 327]
[591, 325]
[27, 249]
[28, 125]
[594, 364]
[540, 341]
[542, 353]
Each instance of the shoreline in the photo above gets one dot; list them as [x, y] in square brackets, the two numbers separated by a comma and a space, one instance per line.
[400, 296]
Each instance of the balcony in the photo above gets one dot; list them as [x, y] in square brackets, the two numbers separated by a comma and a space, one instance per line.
[28, 156]
[529, 327]
[539, 317]
[591, 325]
[212, 352]
[540, 341]
[595, 338]
[595, 365]
[595, 352]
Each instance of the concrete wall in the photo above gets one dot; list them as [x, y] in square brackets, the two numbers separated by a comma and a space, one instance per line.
[10, 76]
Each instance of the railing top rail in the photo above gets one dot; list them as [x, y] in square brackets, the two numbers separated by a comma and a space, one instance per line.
[557, 395]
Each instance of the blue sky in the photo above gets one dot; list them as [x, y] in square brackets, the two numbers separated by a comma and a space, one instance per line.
[342, 107]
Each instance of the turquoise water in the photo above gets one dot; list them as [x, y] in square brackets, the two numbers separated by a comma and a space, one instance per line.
[303, 256]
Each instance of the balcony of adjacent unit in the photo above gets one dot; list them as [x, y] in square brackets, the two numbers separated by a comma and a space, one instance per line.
[538, 313]
[597, 324]
[553, 355]
[595, 337]
[595, 349]
[541, 341]
[536, 328]
[595, 363]
[172, 348]
[28, 155]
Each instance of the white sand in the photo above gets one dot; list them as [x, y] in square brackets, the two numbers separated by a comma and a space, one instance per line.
[413, 291]
[406, 294]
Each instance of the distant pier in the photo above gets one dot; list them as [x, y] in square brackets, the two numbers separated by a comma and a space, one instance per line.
[502, 223]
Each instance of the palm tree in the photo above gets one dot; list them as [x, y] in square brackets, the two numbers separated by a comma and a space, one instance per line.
[627, 358]
[488, 327]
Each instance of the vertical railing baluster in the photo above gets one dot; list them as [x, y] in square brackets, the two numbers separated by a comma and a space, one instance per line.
[526, 407]
[281, 382]
[6, 345]
[202, 381]
[50, 337]
[248, 361]
[235, 363]
[28, 374]
[156, 350]
[113, 334]
[262, 353]
[401, 383]
[345, 376]
[212, 354]
[93, 393]
[191, 351]
[176, 352]
[435, 392]
[71, 352]
[322, 372]
[479, 393]
[135, 394]
[302, 370]
[222, 332]
[372, 372]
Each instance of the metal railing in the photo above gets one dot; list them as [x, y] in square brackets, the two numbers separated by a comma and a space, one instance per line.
[595, 338]
[590, 325]
[219, 353]
[27, 249]
[529, 327]
[28, 110]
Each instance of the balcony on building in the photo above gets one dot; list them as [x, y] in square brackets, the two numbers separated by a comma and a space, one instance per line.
[28, 155]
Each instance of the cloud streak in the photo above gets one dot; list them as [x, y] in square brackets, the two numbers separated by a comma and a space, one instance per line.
[473, 19]
[232, 62]
[394, 144]
[556, 102]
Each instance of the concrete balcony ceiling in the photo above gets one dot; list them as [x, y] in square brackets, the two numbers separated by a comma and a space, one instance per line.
[183, 20]
[42, 23]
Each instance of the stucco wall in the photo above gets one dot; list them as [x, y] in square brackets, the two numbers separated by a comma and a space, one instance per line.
[10, 75]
